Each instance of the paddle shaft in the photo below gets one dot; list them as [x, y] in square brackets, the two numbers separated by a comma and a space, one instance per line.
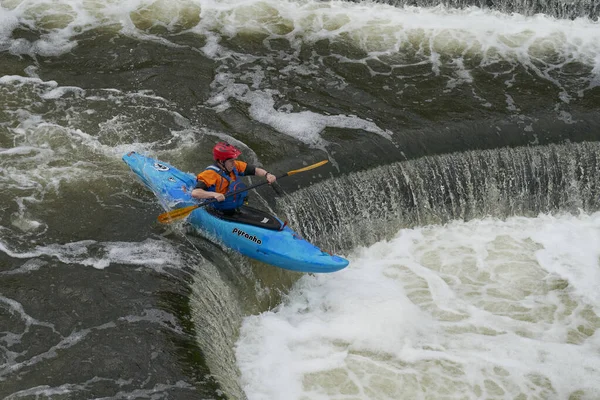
[241, 190]
[181, 213]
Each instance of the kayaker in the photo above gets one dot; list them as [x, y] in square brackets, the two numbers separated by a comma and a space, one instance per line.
[223, 177]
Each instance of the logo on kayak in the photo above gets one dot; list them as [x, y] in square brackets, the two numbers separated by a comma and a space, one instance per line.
[246, 236]
[160, 167]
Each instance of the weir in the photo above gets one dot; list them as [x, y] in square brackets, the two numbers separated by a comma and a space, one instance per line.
[555, 8]
[365, 207]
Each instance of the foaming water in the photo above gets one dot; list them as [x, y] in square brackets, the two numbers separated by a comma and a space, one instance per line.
[62, 136]
[377, 29]
[52, 324]
[275, 57]
[279, 79]
[151, 253]
[351, 50]
[71, 389]
[75, 226]
[484, 309]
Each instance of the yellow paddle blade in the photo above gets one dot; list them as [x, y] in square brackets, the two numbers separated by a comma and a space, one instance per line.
[181, 213]
[307, 168]
[177, 214]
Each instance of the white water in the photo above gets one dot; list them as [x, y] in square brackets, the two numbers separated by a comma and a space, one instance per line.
[476, 310]
[375, 28]
[397, 37]
[487, 309]
[151, 253]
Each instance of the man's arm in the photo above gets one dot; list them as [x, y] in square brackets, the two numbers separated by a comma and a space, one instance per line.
[252, 170]
[201, 193]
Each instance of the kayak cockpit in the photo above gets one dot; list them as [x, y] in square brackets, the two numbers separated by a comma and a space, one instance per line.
[249, 216]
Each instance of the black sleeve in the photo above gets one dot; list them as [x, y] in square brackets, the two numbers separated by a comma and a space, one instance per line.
[201, 185]
[250, 170]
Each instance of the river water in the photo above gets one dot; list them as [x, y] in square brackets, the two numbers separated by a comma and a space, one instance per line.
[463, 186]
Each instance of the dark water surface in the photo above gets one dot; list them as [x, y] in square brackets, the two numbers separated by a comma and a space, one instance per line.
[427, 115]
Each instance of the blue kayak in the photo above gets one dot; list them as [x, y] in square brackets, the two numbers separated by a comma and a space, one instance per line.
[252, 232]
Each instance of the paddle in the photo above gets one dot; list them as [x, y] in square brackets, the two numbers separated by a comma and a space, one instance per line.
[181, 213]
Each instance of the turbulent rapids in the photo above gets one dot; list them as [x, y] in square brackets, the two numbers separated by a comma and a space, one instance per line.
[462, 185]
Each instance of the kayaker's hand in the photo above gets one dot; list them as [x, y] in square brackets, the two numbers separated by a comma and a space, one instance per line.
[270, 178]
[219, 196]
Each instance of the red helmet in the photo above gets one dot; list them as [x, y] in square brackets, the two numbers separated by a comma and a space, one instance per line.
[224, 151]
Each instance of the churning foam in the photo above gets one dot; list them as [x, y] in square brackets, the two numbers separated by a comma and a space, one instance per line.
[395, 37]
[484, 309]
[375, 28]
[155, 254]
[53, 147]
